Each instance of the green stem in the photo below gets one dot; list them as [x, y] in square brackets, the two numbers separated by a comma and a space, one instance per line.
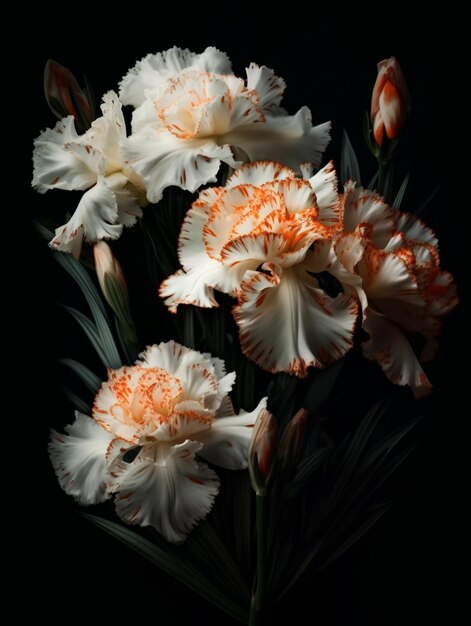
[382, 173]
[188, 327]
[257, 607]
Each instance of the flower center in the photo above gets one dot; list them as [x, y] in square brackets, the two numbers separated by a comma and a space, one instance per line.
[149, 399]
[201, 105]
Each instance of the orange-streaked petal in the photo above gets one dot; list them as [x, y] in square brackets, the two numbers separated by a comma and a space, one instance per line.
[392, 110]
[287, 324]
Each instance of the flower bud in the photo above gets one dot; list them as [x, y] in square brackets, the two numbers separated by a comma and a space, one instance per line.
[107, 264]
[262, 451]
[65, 97]
[390, 102]
[114, 288]
[292, 441]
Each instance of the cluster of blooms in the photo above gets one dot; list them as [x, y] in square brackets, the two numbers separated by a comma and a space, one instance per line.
[305, 262]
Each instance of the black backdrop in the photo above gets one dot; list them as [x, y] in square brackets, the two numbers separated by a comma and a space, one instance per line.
[404, 571]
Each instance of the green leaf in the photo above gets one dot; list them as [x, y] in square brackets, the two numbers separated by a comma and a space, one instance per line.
[373, 181]
[367, 134]
[308, 466]
[104, 345]
[400, 194]
[90, 95]
[378, 512]
[83, 280]
[388, 443]
[349, 168]
[172, 561]
[353, 452]
[76, 402]
[43, 232]
[89, 379]
[215, 557]
[428, 200]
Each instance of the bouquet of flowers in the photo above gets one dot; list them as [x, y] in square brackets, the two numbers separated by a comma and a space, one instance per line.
[263, 280]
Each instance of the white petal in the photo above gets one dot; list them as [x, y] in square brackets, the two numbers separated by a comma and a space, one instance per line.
[107, 132]
[95, 218]
[79, 459]
[173, 358]
[362, 206]
[153, 71]
[289, 139]
[127, 200]
[227, 442]
[56, 166]
[192, 287]
[287, 324]
[389, 347]
[325, 186]
[163, 160]
[259, 173]
[386, 276]
[269, 87]
[171, 496]
[414, 228]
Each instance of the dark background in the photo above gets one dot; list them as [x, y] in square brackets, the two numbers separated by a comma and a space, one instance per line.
[404, 572]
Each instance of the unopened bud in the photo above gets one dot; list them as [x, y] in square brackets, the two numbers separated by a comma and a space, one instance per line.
[262, 451]
[65, 96]
[292, 441]
[390, 101]
[107, 264]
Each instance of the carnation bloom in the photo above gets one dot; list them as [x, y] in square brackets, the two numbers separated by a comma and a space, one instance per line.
[255, 239]
[93, 162]
[192, 114]
[390, 259]
[148, 423]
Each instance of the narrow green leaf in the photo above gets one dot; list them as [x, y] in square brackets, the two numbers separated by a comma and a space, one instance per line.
[215, 553]
[428, 200]
[106, 350]
[170, 561]
[76, 402]
[400, 194]
[349, 168]
[371, 520]
[90, 95]
[43, 232]
[353, 453]
[309, 465]
[82, 278]
[89, 379]
[373, 181]
[367, 134]
[387, 444]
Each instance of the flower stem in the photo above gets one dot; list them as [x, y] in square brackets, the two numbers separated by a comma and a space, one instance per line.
[382, 173]
[257, 607]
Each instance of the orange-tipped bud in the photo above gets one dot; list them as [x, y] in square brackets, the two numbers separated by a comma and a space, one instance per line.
[390, 102]
[65, 97]
[262, 450]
